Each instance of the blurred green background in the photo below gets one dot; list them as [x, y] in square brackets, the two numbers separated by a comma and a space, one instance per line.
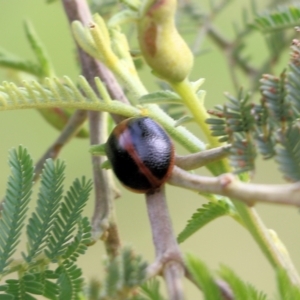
[221, 242]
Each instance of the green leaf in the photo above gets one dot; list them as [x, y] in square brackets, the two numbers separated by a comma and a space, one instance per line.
[273, 90]
[67, 218]
[197, 84]
[49, 288]
[39, 50]
[161, 97]
[133, 4]
[184, 120]
[288, 154]
[79, 244]
[283, 18]
[55, 93]
[97, 149]
[6, 297]
[23, 288]
[240, 289]
[124, 274]
[203, 278]
[15, 206]
[237, 126]
[122, 17]
[106, 165]
[9, 60]
[41, 221]
[207, 213]
[286, 289]
[70, 282]
[133, 267]
[150, 289]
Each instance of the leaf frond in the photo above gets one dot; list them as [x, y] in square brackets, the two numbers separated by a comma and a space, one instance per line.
[70, 281]
[57, 93]
[124, 275]
[79, 244]
[23, 288]
[293, 81]
[239, 288]
[274, 92]
[286, 289]
[39, 50]
[234, 122]
[41, 221]
[150, 289]
[17, 197]
[283, 17]
[161, 97]
[288, 153]
[9, 60]
[203, 278]
[65, 221]
[207, 213]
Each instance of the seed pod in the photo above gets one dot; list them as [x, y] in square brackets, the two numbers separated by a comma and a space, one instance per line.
[141, 154]
[162, 46]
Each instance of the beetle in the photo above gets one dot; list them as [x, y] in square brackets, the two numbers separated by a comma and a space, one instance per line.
[141, 154]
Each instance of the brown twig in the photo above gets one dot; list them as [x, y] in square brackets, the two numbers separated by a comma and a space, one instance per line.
[228, 185]
[103, 218]
[200, 159]
[103, 223]
[167, 250]
[91, 68]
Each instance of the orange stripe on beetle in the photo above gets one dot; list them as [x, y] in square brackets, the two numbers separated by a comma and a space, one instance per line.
[141, 154]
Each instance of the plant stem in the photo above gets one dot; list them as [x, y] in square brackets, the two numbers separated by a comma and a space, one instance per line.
[190, 99]
[200, 159]
[228, 185]
[197, 109]
[184, 89]
[249, 216]
[272, 250]
[166, 247]
[103, 219]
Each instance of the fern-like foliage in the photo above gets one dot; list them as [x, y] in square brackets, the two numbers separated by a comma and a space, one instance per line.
[239, 288]
[207, 213]
[69, 281]
[125, 273]
[40, 69]
[12, 61]
[231, 286]
[67, 217]
[23, 288]
[41, 221]
[284, 17]
[151, 290]
[203, 278]
[233, 122]
[286, 290]
[56, 232]
[271, 127]
[39, 50]
[15, 205]
[288, 153]
[80, 241]
[57, 93]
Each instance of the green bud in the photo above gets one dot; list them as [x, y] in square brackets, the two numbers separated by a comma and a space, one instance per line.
[162, 46]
